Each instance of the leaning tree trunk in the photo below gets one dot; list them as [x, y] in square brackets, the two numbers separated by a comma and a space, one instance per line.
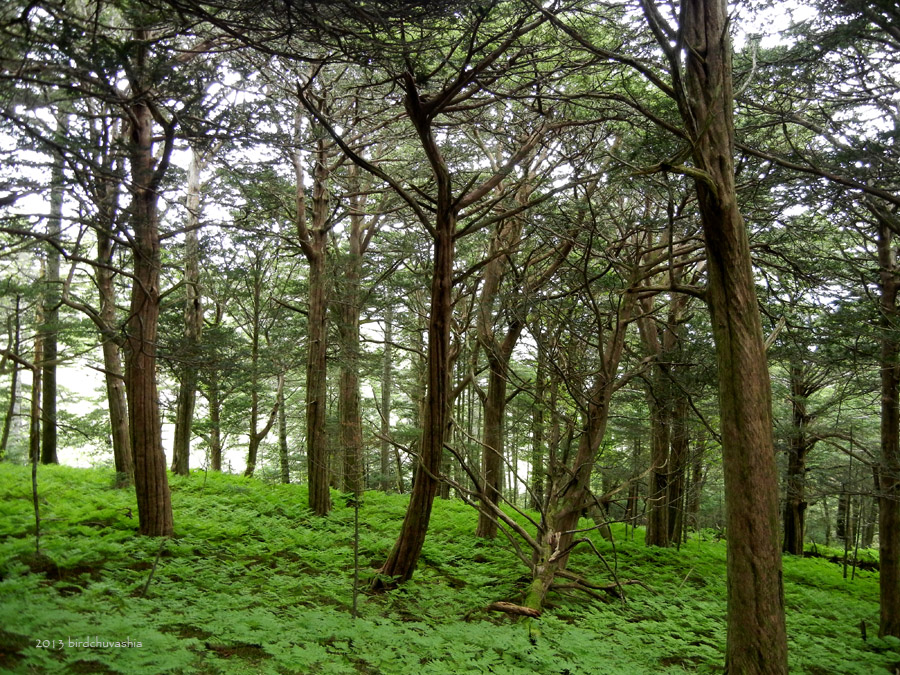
[569, 489]
[757, 640]
[151, 482]
[401, 562]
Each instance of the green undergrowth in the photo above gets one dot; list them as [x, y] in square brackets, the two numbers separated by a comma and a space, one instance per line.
[253, 583]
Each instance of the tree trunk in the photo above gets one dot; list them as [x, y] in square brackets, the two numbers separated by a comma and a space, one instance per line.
[401, 562]
[13, 349]
[34, 426]
[348, 312]
[193, 323]
[757, 641]
[795, 479]
[151, 482]
[313, 239]
[111, 346]
[215, 424]
[317, 384]
[569, 490]
[386, 384]
[49, 328]
[499, 356]
[283, 452]
[889, 469]
[537, 432]
[254, 436]
[678, 456]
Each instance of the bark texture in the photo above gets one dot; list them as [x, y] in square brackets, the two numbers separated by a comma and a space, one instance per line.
[889, 469]
[50, 326]
[151, 482]
[757, 641]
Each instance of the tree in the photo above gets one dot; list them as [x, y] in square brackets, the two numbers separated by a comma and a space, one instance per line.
[193, 319]
[757, 641]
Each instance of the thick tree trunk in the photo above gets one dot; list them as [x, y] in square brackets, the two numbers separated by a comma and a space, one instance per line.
[757, 641]
[151, 482]
[349, 415]
[889, 470]
[50, 326]
[317, 384]
[401, 562]
[193, 323]
[313, 239]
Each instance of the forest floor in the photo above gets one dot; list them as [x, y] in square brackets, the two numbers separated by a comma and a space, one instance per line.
[253, 583]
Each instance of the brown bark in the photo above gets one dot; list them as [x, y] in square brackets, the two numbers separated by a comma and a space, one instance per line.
[349, 415]
[151, 482]
[757, 641]
[312, 234]
[283, 453]
[12, 351]
[569, 490]
[108, 192]
[798, 450]
[537, 432]
[889, 469]
[49, 327]
[215, 423]
[499, 356]
[34, 423]
[401, 562]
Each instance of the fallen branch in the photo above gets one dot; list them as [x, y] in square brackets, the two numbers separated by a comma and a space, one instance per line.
[510, 608]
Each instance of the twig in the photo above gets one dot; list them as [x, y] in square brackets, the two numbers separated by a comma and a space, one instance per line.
[162, 545]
